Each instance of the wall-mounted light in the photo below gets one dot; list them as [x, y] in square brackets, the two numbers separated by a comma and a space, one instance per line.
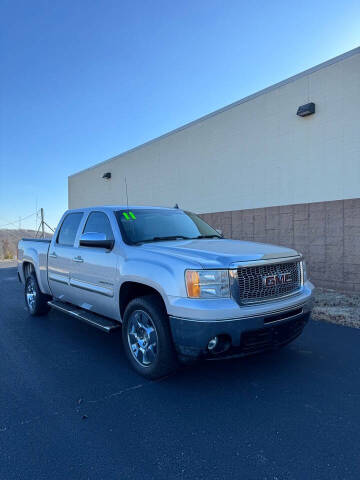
[305, 110]
[107, 175]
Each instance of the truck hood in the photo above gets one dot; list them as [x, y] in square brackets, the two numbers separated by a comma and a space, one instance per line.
[219, 253]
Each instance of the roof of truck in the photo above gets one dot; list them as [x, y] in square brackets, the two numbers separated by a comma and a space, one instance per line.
[121, 207]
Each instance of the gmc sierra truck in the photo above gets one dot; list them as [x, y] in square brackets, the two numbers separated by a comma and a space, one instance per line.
[178, 290]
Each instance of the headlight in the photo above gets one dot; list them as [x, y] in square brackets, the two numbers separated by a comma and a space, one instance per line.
[304, 271]
[207, 283]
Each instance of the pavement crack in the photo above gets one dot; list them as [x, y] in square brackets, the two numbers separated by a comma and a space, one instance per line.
[81, 404]
[116, 394]
[125, 390]
[26, 421]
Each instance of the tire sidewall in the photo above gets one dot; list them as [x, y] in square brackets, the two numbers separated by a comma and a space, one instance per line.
[41, 307]
[165, 358]
[30, 279]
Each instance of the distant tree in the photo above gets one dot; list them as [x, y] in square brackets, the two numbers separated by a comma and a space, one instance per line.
[6, 250]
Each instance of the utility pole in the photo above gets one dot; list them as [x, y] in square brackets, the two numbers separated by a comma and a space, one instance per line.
[19, 223]
[42, 222]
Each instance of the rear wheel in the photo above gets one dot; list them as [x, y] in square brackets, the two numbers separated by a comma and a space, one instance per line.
[35, 300]
[147, 338]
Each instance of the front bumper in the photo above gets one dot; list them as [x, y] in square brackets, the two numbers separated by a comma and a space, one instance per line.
[244, 335]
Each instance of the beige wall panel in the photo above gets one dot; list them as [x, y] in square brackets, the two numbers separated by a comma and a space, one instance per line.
[254, 154]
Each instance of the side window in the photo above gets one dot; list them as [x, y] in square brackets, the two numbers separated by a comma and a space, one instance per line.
[69, 229]
[99, 222]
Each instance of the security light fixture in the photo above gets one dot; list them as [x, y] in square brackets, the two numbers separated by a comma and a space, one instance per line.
[107, 175]
[305, 110]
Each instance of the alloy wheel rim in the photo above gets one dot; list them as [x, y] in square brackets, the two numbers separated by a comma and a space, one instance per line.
[142, 338]
[31, 295]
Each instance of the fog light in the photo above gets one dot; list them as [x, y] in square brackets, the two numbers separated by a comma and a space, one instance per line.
[212, 343]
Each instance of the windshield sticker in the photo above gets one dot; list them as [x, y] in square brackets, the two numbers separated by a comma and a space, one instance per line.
[129, 216]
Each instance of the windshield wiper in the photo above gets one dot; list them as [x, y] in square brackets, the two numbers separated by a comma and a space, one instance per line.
[208, 236]
[175, 237]
[160, 239]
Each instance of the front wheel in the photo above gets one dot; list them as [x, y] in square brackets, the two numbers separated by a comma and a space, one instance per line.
[147, 338]
[35, 300]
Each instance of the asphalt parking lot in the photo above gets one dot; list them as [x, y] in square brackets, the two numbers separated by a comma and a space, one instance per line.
[71, 408]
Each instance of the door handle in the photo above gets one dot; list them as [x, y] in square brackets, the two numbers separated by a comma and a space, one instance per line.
[52, 255]
[78, 259]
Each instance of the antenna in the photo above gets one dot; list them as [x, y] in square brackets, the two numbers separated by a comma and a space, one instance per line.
[37, 212]
[42, 223]
[127, 198]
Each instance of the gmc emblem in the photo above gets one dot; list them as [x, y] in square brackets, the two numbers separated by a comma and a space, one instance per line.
[277, 279]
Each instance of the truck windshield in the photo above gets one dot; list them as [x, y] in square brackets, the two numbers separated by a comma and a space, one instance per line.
[156, 225]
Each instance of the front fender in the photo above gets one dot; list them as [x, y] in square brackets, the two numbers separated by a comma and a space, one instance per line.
[165, 279]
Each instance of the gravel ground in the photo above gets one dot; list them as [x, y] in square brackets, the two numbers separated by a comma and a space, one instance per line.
[336, 307]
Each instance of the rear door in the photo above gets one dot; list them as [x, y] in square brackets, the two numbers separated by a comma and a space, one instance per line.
[60, 256]
[94, 270]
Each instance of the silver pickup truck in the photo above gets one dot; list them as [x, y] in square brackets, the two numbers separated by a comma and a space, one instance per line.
[178, 290]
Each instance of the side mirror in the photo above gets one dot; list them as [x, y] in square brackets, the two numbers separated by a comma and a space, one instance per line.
[96, 240]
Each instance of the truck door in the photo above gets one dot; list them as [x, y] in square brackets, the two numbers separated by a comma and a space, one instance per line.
[94, 270]
[60, 256]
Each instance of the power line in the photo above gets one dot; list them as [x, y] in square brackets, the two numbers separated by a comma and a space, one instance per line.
[42, 223]
[19, 220]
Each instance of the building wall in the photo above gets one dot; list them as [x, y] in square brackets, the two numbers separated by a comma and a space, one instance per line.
[259, 172]
[253, 154]
[326, 233]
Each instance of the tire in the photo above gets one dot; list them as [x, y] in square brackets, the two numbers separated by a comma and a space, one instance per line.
[147, 338]
[35, 300]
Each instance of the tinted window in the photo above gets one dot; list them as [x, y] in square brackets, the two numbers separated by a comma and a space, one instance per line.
[69, 229]
[146, 225]
[99, 222]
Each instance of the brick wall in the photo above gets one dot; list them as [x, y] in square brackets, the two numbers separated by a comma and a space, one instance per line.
[327, 233]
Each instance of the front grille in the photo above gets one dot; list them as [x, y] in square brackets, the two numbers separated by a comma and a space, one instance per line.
[265, 282]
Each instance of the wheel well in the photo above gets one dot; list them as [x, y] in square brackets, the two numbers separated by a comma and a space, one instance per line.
[131, 290]
[28, 269]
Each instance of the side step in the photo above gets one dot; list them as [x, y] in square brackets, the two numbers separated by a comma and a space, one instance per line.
[98, 321]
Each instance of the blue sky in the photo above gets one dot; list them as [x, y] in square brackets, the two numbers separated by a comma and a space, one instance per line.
[82, 81]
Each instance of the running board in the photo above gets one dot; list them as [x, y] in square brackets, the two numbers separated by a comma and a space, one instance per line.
[98, 321]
